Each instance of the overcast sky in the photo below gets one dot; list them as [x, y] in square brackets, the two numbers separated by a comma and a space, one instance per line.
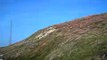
[28, 16]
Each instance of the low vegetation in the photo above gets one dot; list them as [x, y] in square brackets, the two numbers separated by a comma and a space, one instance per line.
[80, 39]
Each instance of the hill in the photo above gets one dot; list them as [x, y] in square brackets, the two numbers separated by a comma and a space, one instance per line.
[80, 39]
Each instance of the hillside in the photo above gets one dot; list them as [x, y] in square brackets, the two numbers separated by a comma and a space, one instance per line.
[80, 39]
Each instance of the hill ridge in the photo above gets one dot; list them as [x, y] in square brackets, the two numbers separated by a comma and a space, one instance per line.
[81, 39]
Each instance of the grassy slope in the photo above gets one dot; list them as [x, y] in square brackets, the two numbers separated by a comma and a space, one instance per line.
[64, 45]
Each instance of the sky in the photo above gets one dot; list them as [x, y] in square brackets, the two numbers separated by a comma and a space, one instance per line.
[29, 16]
